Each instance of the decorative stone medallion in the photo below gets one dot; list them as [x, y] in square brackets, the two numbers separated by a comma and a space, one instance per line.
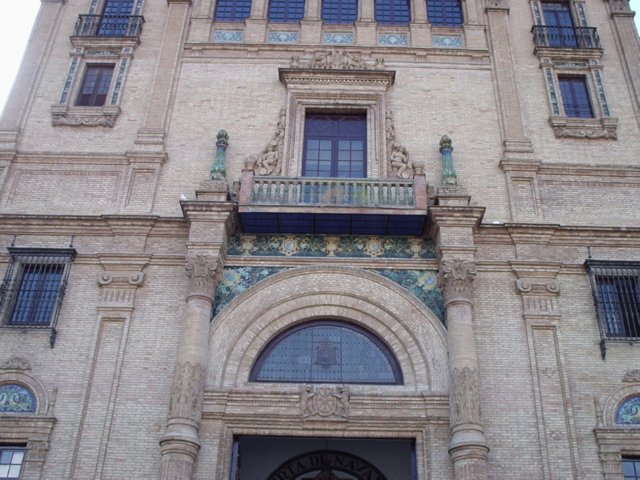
[16, 398]
[629, 412]
[324, 401]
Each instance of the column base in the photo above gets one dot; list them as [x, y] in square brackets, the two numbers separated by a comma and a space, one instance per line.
[469, 462]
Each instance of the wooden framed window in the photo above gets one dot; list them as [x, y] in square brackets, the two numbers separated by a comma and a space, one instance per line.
[95, 85]
[575, 96]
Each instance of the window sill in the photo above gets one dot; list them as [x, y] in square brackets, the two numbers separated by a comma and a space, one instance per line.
[590, 128]
[63, 115]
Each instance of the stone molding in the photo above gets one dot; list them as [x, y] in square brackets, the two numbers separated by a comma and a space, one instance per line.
[203, 270]
[186, 394]
[335, 60]
[320, 402]
[591, 128]
[456, 279]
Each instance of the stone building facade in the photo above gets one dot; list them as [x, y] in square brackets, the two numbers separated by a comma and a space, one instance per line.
[327, 239]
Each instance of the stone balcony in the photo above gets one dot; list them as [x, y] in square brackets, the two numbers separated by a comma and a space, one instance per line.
[355, 206]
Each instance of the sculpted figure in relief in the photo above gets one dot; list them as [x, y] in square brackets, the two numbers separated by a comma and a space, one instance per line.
[400, 165]
[270, 160]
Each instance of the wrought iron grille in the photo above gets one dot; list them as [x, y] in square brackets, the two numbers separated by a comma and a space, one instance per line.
[33, 287]
[616, 294]
[565, 37]
[355, 192]
[108, 26]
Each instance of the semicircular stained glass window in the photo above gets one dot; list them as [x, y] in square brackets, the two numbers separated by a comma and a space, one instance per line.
[628, 412]
[16, 398]
[327, 352]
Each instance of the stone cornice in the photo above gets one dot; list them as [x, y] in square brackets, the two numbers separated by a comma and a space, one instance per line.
[368, 78]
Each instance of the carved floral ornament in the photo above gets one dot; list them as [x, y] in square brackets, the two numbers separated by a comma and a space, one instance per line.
[456, 277]
[15, 362]
[632, 376]
[203, 271]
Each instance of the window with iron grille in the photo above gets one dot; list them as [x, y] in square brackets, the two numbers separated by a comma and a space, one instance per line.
[11, 460]
[339, 11]
[33, 287]
[575, 96]
[616, 292]
[392, 12]
[232, 10]
[444, 13]
[286, 10]
[95, 86]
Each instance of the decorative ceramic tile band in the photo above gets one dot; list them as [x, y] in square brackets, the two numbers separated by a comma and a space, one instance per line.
[423, 284]
[92, 7]
[119, 80]
[338, 38]
[583, 18]
[536, 13]
[331, 246]
[552, 91]
[629, 412]
[15, 398]
[447, 41]
[393, 39]
[603, 98]
[283, 37]
[69, 80]
[136, 11]
[228, 36]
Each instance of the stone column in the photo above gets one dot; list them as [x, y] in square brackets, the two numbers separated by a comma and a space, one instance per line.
[468, 448]
[180, 444]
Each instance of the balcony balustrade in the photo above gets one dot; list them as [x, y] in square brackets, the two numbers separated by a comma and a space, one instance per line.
[565, 37]
[108, 26]
[332, 205]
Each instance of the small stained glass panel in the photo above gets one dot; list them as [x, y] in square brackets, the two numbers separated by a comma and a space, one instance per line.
[327, 352]
[629, 412]
[15, 398]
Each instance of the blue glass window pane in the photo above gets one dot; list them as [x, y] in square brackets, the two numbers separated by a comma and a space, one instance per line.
[394, 12]
[232, 10]
[339, 11]
[37, 295]
[631, 468]
[444, 12]
[115, 18]
[286, 10]
[575, 97]
[327, 352]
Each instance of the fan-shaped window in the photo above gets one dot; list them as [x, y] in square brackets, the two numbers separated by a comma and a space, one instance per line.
[327, 352]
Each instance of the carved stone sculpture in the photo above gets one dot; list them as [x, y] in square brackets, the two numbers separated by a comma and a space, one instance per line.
[186, 394]
[594, 133]
[335, 60]
[15, 362]
[400, 165]
[203, 271]
[456, 277]
[632, 376]
[62, 119]
[324, 402]
[465, 396]
[269, 162]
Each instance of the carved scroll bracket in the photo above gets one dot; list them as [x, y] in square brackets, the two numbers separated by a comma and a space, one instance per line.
[203, 270]
[456, 279]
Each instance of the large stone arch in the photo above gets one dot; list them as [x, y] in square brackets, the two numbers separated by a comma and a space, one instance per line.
[414, 334]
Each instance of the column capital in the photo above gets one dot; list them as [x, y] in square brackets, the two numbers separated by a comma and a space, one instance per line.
[456, 278]
[620, 7]
[498, 5]
[203, 271]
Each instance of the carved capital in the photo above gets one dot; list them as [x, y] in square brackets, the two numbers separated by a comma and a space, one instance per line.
[186, 395]
[537, 285]
[134, 279]
[497, 5]
[15, 362]
[465, 396]
[324, 402]
[456, 279]
[203, 271]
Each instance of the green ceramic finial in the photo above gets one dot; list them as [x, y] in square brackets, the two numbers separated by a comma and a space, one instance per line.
[218, 170]
[449, 176]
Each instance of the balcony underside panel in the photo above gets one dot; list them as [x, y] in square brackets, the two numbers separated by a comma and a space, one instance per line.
[332, 223]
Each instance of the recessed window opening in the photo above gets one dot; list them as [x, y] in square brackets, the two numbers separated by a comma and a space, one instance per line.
[286, 11]
[95, 85]
[339, 11]
[327, 351]
[232, 10]
[575, 96]
[444, 13]
[392, 12]
[115, 18]
[559, 22]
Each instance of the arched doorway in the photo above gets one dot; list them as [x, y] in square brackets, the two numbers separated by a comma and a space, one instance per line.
[326, 465]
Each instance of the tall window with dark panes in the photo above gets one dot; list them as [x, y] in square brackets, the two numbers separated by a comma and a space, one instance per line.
[392, 12]
[115, 18]
[575, 96]
[560, 28]
[232, 10]
[339, 11]
[286, 10]
[335, 146]
[95, 85]
[445, 13]
[631, 468]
